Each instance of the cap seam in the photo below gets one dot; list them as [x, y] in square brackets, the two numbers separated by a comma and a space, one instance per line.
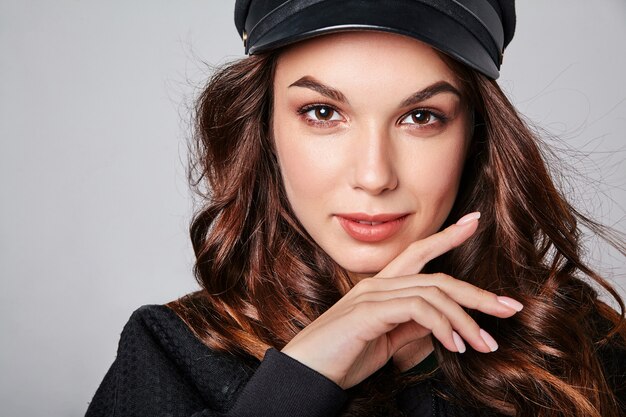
[486, 26]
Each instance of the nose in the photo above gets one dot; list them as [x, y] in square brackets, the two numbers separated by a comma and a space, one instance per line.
[373, 162]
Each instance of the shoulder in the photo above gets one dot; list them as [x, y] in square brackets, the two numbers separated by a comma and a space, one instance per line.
[158, 323]
[156, 338]
[162, 369]
[155, 319]
[156, 328]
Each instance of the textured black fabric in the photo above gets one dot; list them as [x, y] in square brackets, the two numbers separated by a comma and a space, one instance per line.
[261, 396]
[162, 369]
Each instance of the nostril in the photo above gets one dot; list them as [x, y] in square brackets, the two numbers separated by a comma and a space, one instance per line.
[376, 179]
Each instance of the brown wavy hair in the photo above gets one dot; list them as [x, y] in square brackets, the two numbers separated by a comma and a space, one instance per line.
[263, 278]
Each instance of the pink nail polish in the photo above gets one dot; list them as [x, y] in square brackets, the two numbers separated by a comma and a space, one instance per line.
[511, 303]
[460, 346]
[468, 218]
[490, 341]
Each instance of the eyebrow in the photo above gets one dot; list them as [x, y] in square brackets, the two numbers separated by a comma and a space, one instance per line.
[437, 88]
[311, 83]
[430, 91]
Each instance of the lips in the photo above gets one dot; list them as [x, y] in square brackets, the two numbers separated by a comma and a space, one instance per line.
[371, 228]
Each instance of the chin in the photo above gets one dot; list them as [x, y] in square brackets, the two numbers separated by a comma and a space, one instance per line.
[364, 268]
[366, 259]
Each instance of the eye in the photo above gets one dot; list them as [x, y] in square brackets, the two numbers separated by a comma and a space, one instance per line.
[320, 113]
[422, 117]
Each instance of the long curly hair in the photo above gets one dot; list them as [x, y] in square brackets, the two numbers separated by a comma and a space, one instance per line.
[264, 279]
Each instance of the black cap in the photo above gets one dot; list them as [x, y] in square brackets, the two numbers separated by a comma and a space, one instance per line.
[474, 32]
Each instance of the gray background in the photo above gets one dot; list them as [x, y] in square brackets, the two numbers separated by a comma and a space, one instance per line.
[94, 205]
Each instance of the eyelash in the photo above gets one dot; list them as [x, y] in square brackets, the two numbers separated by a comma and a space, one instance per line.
[318, 123]
[439, 117]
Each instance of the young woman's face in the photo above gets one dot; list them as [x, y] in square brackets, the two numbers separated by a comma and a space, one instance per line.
[371, 134]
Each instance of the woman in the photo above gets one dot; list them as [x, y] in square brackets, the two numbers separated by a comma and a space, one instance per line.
[380, 235]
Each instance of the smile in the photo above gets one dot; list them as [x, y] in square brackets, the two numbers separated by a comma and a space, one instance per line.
[371, 228]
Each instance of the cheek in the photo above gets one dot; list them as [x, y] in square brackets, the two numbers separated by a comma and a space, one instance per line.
[434, 171]
[307, 167]
[441, 174]
[304, 174]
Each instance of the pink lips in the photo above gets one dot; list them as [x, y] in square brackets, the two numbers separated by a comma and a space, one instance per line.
[371, 228]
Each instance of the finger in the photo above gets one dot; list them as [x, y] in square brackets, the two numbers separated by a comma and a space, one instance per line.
[476, 298]
[407, 333]
[382, 317]
[417, 254]
[462, 322]
[463, 293]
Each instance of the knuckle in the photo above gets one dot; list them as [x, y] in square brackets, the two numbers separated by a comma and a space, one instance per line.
[365, 285]
[441, 318]
[447, 281]
[434, 291]
[441, 276]
[441, 322]
[416, 303]
[482, 297]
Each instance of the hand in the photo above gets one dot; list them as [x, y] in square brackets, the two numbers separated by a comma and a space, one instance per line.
[382, 314]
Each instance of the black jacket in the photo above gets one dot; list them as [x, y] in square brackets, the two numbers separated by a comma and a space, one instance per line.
[162, 369]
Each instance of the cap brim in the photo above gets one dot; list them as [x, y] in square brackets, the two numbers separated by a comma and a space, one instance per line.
[418, 21]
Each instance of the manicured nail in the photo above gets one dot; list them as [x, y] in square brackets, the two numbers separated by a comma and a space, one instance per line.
[460, 346]
[509, 302]
[493, 345]
[468, 218]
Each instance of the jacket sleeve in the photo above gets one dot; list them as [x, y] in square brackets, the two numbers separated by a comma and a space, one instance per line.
[157, 374]
[282, 386]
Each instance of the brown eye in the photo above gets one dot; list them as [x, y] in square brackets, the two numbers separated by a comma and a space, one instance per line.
[320, 113]
[421, 117]
[324, 113]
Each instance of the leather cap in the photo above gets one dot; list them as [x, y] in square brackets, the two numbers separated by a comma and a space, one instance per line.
[474, 32]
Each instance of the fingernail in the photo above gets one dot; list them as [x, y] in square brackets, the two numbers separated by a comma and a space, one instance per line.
[469, 218]
[460, 346]
[490, 341]
[509, 302]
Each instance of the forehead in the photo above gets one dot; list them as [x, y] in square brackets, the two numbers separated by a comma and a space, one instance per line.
[369, 56]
